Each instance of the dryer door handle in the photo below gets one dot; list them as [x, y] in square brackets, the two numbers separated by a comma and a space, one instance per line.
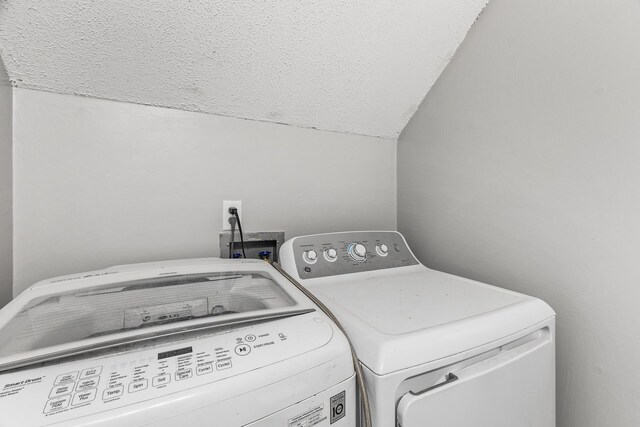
[449, 378]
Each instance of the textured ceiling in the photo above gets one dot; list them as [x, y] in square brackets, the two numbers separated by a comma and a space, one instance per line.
[349, 66]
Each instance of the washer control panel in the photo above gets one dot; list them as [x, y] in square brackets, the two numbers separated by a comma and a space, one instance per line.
[84, 387]
[324, 255]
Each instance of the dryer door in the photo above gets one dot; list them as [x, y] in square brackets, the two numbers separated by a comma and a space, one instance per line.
[513, 388]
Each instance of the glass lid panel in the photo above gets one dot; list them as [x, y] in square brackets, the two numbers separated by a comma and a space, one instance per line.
[108, 310]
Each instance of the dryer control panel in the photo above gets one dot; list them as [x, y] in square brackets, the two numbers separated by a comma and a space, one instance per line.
[333, 254]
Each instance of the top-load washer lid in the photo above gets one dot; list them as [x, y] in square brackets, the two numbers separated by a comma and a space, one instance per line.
[122, 305]
[401, 314]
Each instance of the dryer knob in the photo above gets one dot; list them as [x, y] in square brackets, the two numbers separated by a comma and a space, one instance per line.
[331, 254]
[310, 256]
[357, 251]
[382, 249]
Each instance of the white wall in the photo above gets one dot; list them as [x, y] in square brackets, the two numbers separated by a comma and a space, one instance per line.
[6, 223]
[522, 169]
[101, 182]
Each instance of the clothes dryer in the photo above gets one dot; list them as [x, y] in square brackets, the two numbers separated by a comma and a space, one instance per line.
[437, 349]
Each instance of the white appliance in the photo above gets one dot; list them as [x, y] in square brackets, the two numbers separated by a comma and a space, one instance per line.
[196, 342]
[438, 350]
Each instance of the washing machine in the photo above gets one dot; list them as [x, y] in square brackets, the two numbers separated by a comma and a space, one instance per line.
[436, 349]
[193, 343]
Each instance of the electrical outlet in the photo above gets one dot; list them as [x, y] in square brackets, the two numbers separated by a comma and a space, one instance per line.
[226, 204]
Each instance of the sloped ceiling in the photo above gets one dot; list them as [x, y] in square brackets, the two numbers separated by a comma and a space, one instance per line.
[349, 66]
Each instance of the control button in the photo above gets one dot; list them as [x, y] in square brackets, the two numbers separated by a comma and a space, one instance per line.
[357, 252]
[90, 372]
[207, 368]
[88, 383]
[183, 374]
[66, 378]
[243, 349]
[138, 386]
[57, 404]
[310, 256]
[223, 364]
[161, 380]
[61, 389]
[84, 397]
[113, 392]
[331, 254]
[250, 338]
[382, 249]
